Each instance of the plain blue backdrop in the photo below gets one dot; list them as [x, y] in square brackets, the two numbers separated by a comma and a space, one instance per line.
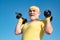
[8, 19]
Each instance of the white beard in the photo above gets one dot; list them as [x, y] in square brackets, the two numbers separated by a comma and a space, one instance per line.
[34, 17]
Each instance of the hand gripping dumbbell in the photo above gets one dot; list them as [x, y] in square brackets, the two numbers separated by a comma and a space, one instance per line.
[47, 13]
[19, 15]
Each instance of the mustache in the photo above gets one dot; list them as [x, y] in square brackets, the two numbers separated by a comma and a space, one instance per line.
[31, 14]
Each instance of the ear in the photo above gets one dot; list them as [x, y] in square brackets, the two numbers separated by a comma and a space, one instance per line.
[38, 14]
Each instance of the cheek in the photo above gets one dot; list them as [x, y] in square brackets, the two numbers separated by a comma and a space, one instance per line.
[36, 13]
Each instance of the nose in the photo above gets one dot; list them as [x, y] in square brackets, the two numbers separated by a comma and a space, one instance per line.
[31, 12]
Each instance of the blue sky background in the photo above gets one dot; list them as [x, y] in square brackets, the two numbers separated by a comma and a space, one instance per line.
[8, 19]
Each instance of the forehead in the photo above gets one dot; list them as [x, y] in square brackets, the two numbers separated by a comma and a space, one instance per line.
[34, 8]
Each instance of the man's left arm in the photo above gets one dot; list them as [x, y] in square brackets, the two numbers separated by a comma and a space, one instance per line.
[48, 26]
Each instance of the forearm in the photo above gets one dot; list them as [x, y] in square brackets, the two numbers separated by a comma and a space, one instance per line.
[48, 28]
[19, 26]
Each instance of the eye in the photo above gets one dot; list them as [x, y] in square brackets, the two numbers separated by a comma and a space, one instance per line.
[33, 10]
[30, 11]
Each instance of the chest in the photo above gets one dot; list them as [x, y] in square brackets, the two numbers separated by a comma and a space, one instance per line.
[36, 25]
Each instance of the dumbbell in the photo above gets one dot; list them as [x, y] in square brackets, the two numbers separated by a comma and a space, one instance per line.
[19, 15]
[47, 13]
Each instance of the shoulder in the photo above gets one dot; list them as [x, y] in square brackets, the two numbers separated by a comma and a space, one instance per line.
[26, 24]
[43, 22]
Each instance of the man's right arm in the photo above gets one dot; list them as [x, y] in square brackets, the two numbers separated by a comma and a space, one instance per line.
[18, 29]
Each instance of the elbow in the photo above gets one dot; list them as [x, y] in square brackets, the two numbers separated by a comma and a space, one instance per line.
[17, 32]
[49, 31]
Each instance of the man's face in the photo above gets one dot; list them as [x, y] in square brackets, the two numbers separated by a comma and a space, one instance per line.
[34, 14]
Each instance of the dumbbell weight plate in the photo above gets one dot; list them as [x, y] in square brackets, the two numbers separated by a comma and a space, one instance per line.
[19, 15]
[51, 18]
[47, 13]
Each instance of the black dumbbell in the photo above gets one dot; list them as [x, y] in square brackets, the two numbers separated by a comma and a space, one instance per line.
[47, 13]
[19, 15]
